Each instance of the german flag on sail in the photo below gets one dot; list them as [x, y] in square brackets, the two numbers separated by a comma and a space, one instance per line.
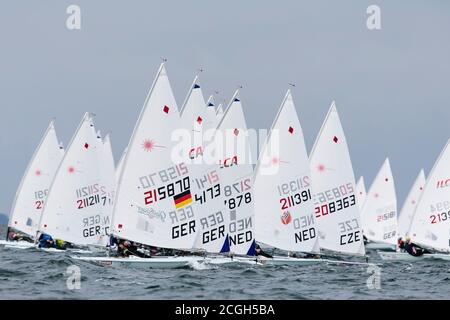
[182, 199]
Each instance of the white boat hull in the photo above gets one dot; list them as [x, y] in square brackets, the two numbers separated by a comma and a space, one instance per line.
[401, 256]
[54, 250]
[439, 256]
[155, 262]
[220, 260]
[280, 260]
[16, 244]
[380, 246]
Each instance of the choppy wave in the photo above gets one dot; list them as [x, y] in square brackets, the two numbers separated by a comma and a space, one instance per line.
[31, 274]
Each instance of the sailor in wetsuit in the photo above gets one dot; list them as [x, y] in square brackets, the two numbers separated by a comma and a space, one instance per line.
[126, 249]
[413, 249]
[260, 252]
[62, 245]
[18, 236]
[46, 241]
[401, 244]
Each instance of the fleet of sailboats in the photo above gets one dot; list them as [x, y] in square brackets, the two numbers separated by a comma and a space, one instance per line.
[187, 187]
[79, 202]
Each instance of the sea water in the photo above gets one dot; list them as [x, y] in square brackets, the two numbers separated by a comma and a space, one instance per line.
[32, 274]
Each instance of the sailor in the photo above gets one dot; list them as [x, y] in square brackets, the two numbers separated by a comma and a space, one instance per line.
[312, 256]
[113, 243]
[401, 244]
[413, 249]
[260, 252]
[18, 236]
[61, 244]
[46, 241]
[365, 240]
[126, 249]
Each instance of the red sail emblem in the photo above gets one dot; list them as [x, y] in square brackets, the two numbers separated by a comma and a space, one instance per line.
[286, 217]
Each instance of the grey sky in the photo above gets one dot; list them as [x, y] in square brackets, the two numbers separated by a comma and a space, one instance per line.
[391, 85]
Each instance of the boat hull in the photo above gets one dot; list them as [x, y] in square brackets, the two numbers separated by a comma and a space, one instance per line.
[439, 256]
[54, 250]
[16, 245]
[400, 256]
[158, 262]
[277, 260]
[380, 246]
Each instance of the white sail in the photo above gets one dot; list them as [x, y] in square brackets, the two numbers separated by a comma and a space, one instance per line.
[108, 170]
[76, 208]
[192, 112]
[333, 182]
[284, 208]
[211, 116]
[153, 203]
[361, 193]
[33, 189]
[431, 222]
[409, 206]
[237, 172]
[219, 113]
[119, 166]
[379, 212]
[212, 230]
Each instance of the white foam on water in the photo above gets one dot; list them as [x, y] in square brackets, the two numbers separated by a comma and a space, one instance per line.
[196, 265]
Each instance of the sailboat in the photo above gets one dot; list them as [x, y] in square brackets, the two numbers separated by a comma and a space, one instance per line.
[32, 192]
[284, 207]
[107, 170]
[206, 176]
[77, 206]
[409, 206]
[333, 183]
[430, 226]
[379, 213]
[153, 205]
[361, 192]
[233, 153]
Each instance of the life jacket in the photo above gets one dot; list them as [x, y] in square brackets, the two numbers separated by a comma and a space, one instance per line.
[413, 250]
[60, 244]
[46, 237]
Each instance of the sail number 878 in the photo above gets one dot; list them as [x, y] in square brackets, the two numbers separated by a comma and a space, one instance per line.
[236, 202]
